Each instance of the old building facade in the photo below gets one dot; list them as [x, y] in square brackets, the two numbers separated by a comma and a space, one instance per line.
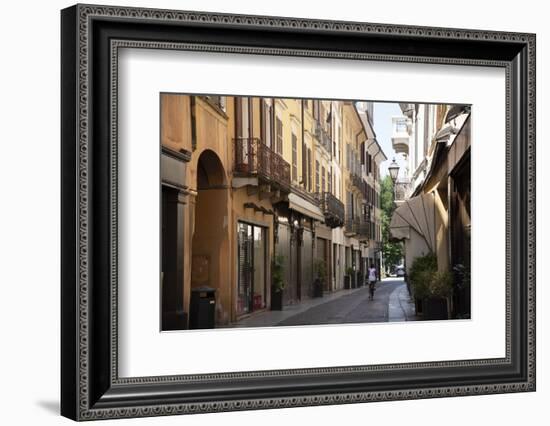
[246, 179]
[433, 190]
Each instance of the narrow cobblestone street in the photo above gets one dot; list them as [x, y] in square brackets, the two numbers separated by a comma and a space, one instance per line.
[391, 304]
[354, 308]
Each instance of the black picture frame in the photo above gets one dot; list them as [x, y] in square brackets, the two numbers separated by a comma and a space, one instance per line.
[90, 386]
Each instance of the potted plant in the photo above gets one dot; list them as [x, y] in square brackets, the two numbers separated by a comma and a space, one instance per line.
[319, 283]
[278, 283]
[439, 289]
[420, 275]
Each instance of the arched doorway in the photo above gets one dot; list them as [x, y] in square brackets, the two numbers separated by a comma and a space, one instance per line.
[210, 246]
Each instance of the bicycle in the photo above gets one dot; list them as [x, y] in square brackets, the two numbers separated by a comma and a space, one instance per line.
[371, 289]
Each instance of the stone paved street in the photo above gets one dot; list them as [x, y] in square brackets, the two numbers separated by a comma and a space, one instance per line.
[391, 303]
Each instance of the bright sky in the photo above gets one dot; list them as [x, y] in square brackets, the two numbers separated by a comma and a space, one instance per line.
[383, 113]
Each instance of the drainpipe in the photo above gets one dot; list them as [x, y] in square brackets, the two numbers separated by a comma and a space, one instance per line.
[193, 125]
[304, 165]
[331, 143]
[273, 136]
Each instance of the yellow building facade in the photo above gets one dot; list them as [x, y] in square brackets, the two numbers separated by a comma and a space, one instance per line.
[248, 179]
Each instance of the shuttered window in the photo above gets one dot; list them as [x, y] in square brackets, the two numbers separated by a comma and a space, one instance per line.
[309, 177]
[267, 126]
[339, 136]
[317, 182]
[238, 117]
[279, 140]
[352, 205]
[245, 117]
[371, 163]
[294, 158]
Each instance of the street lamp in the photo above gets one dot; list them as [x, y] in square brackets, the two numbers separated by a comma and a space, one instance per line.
[393, 169]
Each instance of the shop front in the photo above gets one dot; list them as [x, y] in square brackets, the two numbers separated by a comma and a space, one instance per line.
[252, 249]
[295, 243]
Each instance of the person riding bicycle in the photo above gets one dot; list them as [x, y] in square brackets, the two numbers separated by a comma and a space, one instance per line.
[372, 281]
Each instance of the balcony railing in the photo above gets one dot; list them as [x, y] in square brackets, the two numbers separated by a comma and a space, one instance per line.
[254, 158]
[363, 230]
[323, 137]
[333, 210]
[358, 227]
[352, 225]
[358, 182]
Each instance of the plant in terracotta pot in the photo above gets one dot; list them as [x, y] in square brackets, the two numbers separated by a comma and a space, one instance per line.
[277, 282]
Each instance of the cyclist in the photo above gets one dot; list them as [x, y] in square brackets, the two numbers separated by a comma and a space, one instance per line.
[372, 281]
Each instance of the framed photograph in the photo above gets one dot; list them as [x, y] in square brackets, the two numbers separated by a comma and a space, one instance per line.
[263, 212]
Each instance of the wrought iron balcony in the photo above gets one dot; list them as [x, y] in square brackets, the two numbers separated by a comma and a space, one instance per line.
[323, 137]
[358, 227]
[333, 210]
[352, 226]
[254, 158]
[358, 182]
[363, 230]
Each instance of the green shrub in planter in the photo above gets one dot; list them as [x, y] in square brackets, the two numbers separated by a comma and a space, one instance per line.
[440, 285]
[420, 274]
[440, 288]
[431, 288]
[278, 282]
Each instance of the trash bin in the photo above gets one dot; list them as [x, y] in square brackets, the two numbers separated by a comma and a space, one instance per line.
[202, 310]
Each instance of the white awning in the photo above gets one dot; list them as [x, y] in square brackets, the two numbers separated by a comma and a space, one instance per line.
[418, 214]
[300, 205]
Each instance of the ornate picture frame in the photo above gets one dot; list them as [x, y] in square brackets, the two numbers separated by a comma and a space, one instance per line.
[90, 385]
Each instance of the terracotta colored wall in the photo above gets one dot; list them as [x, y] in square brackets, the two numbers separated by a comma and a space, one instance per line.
[211, 243]
[175, 128]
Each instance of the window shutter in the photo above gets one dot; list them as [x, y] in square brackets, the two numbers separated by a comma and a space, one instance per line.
[262, 121]
[250, 117]
[310, 176]
[294, 157]
[279, 136]
[349, 203]
[371, 160]
[238, 118]
[304, 164]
